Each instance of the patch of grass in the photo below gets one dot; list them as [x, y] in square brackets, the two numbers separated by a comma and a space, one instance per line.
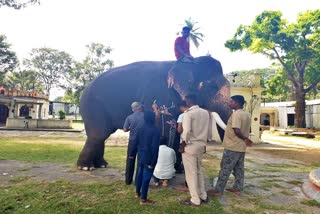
[210, 166]
[66, 197]
[116, 156]
[267, 185]
[24, 169]
[295, 182]
[312, 203]
[286, 192]
[38, 152]
[239, 210]
[284, 168]
[19, 179]
[41, 151]
[79, 125]
[256, 204]
[316, 165]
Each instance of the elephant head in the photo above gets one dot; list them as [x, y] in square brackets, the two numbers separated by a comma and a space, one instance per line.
[205, 78]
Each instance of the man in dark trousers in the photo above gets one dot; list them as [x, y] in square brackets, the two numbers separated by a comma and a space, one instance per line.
[132, 123]
[236, 139]
[147, 144]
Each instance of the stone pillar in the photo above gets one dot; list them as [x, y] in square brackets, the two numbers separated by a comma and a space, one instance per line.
[40, 111]
[11, 108]
[272, 119]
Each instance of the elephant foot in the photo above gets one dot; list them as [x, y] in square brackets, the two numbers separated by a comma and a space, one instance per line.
[100, 164]
[85, 168]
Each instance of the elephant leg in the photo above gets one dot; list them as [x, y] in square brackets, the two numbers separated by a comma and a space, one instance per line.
[98, 127]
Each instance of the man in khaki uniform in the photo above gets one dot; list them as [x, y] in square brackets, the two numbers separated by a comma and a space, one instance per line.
[235, 142]
[195, 135]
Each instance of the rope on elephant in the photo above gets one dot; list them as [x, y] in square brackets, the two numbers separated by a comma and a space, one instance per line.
[172, 133]
[162, 125]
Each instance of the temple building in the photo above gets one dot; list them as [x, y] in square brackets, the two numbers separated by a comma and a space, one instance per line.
[26, 109]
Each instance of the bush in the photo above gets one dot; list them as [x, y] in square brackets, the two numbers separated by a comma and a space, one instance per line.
[62, 115]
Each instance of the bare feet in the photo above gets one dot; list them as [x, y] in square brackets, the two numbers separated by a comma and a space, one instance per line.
[165, 183]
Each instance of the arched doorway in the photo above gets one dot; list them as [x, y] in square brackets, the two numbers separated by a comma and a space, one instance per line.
[24, 111]
[4, 113]
[265, 119]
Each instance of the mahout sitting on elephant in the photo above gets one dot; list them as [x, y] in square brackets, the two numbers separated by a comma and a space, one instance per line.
[105, 103]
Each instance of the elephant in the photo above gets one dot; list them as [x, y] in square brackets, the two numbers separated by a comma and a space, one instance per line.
[105, 103]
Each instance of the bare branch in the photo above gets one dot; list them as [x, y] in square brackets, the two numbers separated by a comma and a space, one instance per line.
[289, 72]
[312, 85]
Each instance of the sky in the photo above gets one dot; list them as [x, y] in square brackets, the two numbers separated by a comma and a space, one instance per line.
[140, 30]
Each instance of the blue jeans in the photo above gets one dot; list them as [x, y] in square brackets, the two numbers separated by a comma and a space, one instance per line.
[143, 177]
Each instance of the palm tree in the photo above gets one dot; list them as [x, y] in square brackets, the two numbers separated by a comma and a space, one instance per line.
[195, 36]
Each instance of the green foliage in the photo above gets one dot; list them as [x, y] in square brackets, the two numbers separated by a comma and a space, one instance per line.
[17, 4]
[295, 46]
[50, 65]
[279, 88]
[58, 99]
[26, 80]
[84, 72]
[8, 58]
[195, 35]
[62, 115]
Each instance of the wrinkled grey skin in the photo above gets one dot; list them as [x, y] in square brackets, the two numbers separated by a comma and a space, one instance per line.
[105, 103]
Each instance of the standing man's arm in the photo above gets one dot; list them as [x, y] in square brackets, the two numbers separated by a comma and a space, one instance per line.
[135, 144]
[179, 123]
[186, 124]
[236, 125]
[154, 150]
[179, 128]
[239, 134]
[126, 126]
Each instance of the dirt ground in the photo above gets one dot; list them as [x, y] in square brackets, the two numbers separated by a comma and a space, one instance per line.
[275, 171]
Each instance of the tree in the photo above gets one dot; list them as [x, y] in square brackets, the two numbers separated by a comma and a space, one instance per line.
[25, 80]
[279, 88]
[295, 46]
[50, 65]
[84, 72]
[195, 35]
[8, 58]
[17, 4]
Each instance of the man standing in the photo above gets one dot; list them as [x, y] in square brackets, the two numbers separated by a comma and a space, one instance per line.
[235, 142]
[182, 46]
[147, 145]
[194, 135]
[132, 123]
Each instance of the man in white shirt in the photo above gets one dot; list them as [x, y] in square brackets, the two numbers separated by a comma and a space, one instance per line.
[164, 169]
[195, 135]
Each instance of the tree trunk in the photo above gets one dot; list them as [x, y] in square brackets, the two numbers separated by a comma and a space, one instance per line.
[300, 109]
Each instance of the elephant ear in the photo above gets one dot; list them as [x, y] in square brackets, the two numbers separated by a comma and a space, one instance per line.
[181, 78]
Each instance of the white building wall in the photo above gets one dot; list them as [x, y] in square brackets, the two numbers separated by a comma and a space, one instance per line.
[316, 116]
[283, 119]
